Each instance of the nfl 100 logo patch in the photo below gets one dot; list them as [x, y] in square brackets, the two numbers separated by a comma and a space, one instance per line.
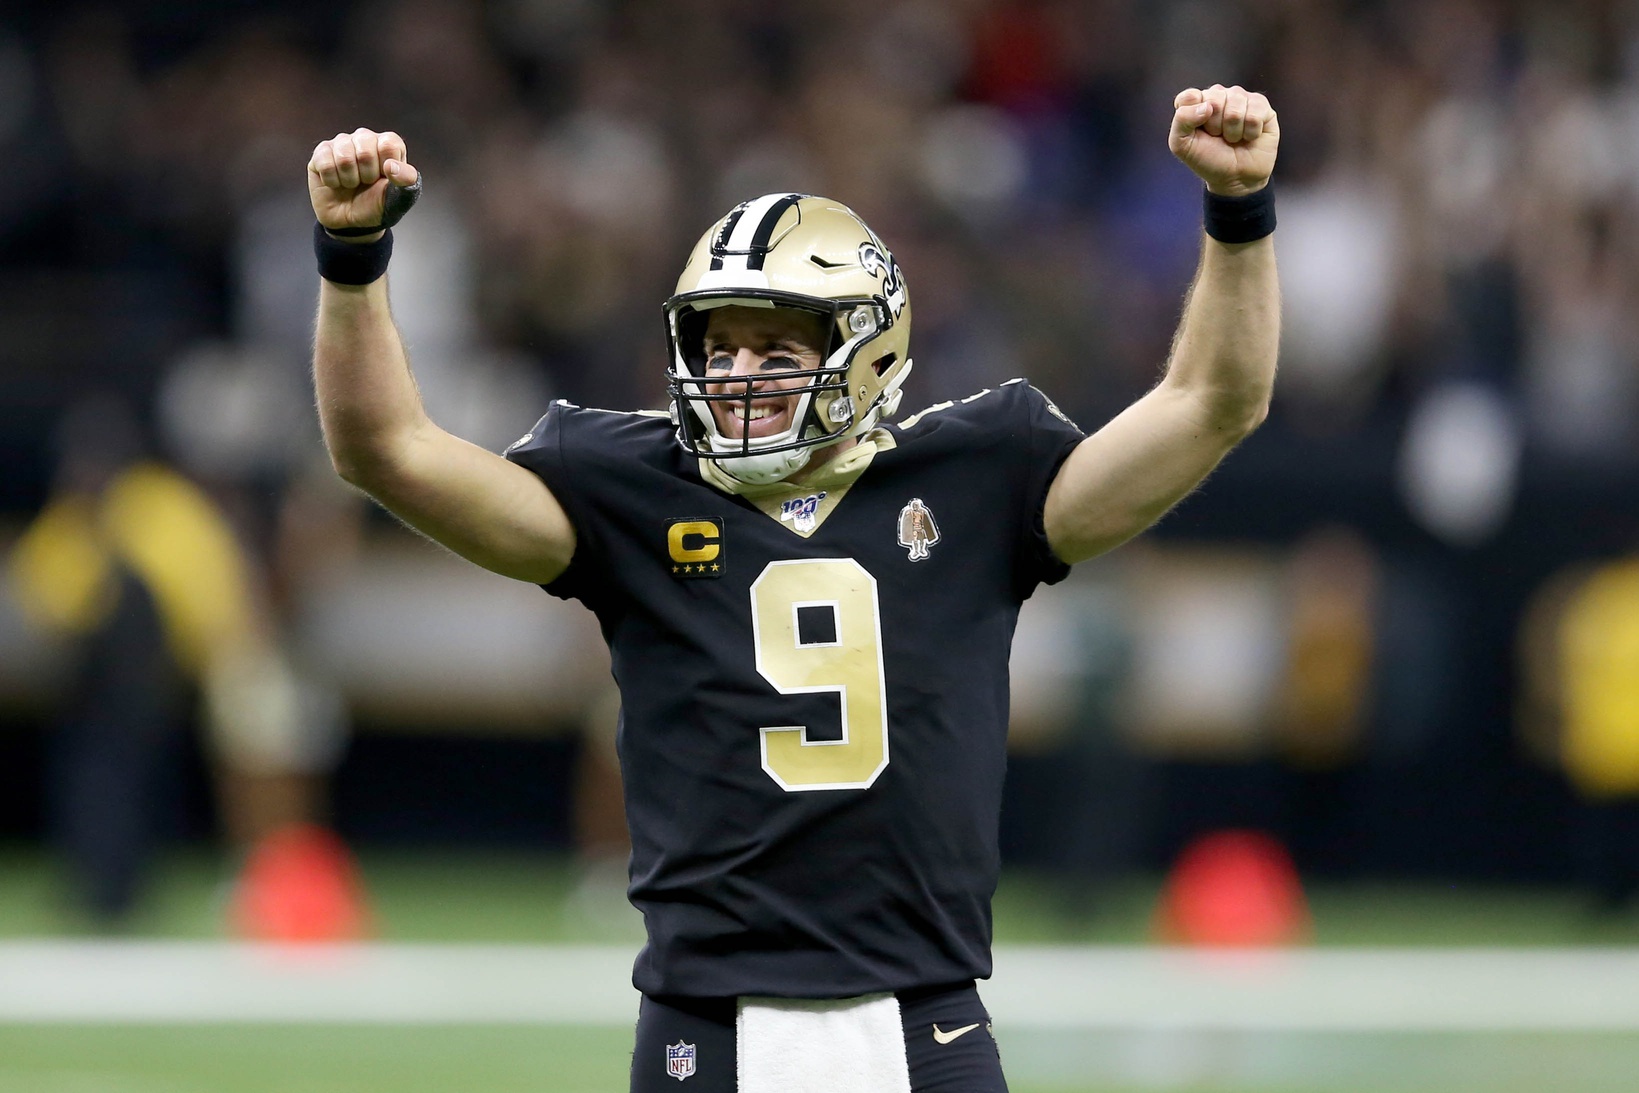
[680, 1060]
[801, 512]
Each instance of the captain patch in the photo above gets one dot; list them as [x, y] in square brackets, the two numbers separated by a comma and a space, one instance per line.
[694, 547]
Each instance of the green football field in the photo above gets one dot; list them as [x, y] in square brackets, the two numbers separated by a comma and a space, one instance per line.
[540, 902]
[509, 1059]
[518, 897]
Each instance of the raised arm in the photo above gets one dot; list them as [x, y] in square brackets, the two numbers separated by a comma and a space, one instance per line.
[1218, 381]
[380, 438]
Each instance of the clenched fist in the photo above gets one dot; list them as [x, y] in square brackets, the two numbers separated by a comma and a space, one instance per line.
[1226, 135]
[348, 176]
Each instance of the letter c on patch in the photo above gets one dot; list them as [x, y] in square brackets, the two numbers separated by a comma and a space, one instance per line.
[693, 541]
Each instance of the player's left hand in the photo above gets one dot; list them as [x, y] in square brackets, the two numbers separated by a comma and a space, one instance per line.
[1226, 135]
[349, 175]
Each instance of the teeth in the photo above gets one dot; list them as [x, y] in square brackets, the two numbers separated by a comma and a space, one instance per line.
[757, 413]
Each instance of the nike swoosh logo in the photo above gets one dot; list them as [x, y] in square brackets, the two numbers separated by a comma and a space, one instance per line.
[946, 1037]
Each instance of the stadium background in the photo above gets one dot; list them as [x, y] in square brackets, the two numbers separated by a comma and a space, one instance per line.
[1396, 631]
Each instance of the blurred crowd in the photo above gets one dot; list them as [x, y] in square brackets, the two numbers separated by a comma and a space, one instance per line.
[1459, 245]
[1456, 181]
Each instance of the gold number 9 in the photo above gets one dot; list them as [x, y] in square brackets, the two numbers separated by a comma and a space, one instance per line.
[844, 658]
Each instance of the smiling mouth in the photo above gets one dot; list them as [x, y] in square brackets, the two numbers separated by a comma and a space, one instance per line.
[768, 417]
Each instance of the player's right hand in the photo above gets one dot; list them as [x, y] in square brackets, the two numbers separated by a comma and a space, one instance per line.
[348, 176]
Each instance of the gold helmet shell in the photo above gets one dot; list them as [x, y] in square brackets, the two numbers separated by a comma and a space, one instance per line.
[809, 254]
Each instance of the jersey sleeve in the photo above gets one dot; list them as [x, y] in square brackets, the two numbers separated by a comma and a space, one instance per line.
[541, 450]
[1051, 438]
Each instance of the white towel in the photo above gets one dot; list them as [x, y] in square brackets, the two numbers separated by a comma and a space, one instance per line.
[849, 1045]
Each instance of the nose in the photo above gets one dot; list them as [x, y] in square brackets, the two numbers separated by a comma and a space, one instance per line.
[746, 363]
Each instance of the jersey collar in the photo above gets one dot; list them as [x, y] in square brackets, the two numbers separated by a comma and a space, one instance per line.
[825, 487]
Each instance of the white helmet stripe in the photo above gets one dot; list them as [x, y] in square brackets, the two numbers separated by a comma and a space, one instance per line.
[751, 231]
[723, 233]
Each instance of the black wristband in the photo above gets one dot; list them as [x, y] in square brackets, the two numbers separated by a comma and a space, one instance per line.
[351, 263]
[1239, 219]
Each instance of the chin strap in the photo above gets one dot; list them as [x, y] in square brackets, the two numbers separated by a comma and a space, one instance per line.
[832, 474]
[760, 470]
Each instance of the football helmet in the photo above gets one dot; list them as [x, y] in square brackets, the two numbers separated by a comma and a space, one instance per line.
[813, 255]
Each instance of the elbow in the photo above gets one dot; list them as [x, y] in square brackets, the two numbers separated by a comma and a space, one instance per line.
[1254, 415]
[1229, 411]
[361, 468]
[1236, 418]
[369, 459]
[348, 470]
[350, 465]
[1244, 406]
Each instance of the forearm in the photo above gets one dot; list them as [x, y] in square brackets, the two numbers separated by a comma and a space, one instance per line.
[369, 407]
[1224, 354]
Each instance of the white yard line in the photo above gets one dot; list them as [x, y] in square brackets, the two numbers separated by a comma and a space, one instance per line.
[1318, 990]
[396, 984]
[1034, 987]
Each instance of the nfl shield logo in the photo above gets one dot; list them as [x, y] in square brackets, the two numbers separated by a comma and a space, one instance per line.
[680, 1060]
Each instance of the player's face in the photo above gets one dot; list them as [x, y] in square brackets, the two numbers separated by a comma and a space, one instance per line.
[774, 346]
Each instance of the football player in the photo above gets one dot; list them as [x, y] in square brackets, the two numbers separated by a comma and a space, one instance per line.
[809, 605]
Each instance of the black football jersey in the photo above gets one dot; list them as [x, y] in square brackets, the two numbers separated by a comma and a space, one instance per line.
[814, 693]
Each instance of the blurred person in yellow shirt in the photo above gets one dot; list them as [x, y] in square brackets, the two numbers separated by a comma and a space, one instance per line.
[140, 574]
[1599, 666]
[1581, 649]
